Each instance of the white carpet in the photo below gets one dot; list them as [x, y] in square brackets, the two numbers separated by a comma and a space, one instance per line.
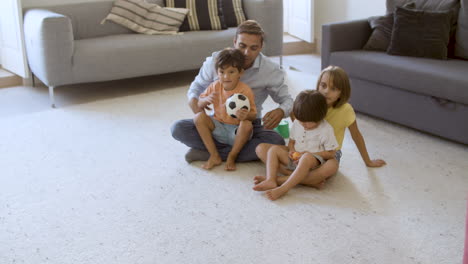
[102, 181]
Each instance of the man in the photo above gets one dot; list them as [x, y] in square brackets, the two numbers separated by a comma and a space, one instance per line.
[264, 77]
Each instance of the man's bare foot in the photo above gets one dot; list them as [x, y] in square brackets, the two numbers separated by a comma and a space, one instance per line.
[265, 185]
[230, 164]
[212, 162]
[258, 179]
[275, 193]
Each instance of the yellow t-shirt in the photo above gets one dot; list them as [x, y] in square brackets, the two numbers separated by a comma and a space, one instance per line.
[340, 118]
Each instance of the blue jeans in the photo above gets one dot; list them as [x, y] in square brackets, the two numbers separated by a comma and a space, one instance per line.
[185, 131]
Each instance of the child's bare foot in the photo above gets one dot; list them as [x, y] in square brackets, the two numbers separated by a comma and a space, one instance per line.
[284, 171]
[320, 186]
[275, 193]
[265, 185]
[258, 179]
[230, 164]
[212, 162]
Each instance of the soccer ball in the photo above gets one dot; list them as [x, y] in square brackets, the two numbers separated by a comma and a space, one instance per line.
[235, 102]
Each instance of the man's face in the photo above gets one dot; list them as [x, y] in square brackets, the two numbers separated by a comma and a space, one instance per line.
[250, 45]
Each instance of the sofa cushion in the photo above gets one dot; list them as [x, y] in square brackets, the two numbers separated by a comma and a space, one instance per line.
[461, 39]
[233, 12]
[381, 35]
[382, 27]
[132, 55]
[420, 33]
[433, 5]
[203, 15]
[424, 4]
[446, 79]
[146, 18]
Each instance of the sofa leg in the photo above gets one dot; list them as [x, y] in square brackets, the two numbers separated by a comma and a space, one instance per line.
[281, 61]
[51, 96]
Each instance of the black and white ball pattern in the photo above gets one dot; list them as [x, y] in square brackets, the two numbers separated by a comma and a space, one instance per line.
[235, 102]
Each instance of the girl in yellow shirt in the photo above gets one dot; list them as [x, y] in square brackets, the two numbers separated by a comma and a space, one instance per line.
[334, 84]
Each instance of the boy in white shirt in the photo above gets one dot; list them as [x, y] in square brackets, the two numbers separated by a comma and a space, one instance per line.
[312, 141]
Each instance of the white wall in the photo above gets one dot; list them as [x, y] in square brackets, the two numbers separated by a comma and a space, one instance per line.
[328, 11]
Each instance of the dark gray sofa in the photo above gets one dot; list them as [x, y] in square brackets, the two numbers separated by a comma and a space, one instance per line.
[67, 44]
[426, 94]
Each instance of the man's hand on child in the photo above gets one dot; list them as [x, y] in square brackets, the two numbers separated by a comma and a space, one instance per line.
[273, 118]
[375, 163]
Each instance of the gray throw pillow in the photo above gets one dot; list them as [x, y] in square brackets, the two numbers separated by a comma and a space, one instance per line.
[420, 33]
[434, 5]
[382, 27]
[461, 39]
[381, 32]
[440, 5]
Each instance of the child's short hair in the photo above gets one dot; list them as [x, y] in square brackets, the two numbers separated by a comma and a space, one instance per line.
[250, 27]
[310, 106]
[230, 57]
[340, 80]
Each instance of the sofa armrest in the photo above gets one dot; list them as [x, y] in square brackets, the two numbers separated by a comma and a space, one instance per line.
[341, 36]
[270, 16]
[49, 45]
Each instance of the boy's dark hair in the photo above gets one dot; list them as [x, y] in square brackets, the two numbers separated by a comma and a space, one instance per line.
[230, 57]
[250, 27]
[310, 106]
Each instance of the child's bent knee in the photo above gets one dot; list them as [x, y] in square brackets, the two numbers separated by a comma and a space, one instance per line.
[310, 159]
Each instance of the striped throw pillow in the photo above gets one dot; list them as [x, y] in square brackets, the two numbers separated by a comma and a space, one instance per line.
[146, 18]
[203, 14]
[233, 12]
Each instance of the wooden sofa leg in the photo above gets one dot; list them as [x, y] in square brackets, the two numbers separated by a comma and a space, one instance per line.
[51, 96]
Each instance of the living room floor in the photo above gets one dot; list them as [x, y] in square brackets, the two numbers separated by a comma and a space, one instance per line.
[100, 180]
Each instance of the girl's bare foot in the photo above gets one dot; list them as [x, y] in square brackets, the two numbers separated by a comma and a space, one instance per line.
[258, 179]
[230, 164]
[275, 193]
[212, 162]
[265, 185]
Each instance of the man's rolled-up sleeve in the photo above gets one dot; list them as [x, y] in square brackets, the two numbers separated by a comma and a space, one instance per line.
[279, 91]
[204, 78]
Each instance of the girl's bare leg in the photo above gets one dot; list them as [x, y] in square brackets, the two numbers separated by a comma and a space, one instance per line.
[243, 133]
[275, 157]
[205, 128]
[306, 162]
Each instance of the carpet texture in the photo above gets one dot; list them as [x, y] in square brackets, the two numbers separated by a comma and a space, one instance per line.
[102, 181]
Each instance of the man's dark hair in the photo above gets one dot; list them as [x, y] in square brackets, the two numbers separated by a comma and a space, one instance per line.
[310, 106]
[230, 57]
[250, 27]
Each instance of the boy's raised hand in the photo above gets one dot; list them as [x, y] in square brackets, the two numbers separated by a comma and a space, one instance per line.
[205, 101]
[242, 114]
